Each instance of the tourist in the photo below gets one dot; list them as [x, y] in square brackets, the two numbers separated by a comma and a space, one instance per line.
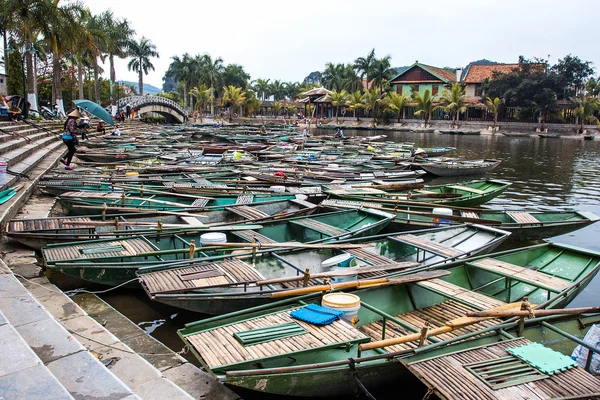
[13, 111]
[305, 132]
[116, 131]
[339, 133]
[69, 138]
[128, 110]
[100, 127]
[132, 113]
[83, 124]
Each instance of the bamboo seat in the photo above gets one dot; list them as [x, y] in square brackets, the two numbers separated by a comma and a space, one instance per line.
[319, 227]
[436, 316]
[192, 221]
[195, 277]
[304, 203]
[244, 199]
[431, 246]
[247, 212]
[522, 274]
[249, 235]
[523, 217]
[47, 224]
[467, 189]
[218, 347]
[474, 299]
[199, 203]
[469, 214]
[105, 249]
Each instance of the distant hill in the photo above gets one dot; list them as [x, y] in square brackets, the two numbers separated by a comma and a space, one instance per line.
[148, 89]
[400, 70]
[483, 62]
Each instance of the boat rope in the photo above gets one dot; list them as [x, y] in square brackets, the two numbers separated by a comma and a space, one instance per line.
[359, 384]
[17, 174]
[76, 291]
[428, 394]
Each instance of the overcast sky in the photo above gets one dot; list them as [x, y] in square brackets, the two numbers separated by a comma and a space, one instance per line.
[287, 40]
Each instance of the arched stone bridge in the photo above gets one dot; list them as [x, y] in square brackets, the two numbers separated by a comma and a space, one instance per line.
[160, 105]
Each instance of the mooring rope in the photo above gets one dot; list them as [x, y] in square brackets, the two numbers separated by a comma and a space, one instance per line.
[359, 384]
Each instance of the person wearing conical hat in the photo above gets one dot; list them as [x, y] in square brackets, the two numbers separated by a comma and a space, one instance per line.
[69, 137]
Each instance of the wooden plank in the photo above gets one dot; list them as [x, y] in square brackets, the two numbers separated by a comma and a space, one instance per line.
[467, 189]
[434, 247]
[523, 217]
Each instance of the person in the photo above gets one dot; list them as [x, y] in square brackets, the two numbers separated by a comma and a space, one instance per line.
[14, 112]
[3, 105]
[83, 124]
[69, 138]
[128, 109]
[101, 128]
[117, 131]
[132, 113]
[305, 132]
[339, 133]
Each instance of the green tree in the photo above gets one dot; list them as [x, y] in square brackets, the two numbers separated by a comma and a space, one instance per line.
[292, 90]
[277, 89]
[382, 72]
[453, 101]
[212, 72]
[235, 96]
[14, 70]
[371, 100]
[397, 102]
[573, 73]
[234, 75]
[424, 104]
[493, 107]
[141, 51]
[364, 66]
[182, 68]
[262, 88]
[118, 33]
[592, 87]
[337, 99]
[333, 76]
[253, 104]
[203, 95]
[585, 110]
[277, 108]
[355, 102]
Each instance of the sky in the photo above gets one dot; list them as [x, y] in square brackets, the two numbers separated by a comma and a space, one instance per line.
[288, 40]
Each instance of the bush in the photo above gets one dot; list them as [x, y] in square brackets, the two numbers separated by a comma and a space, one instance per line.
[152, 120]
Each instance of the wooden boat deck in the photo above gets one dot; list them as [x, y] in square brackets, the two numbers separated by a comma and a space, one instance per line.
[249, 235]
[469, 214]
[349, 204]
[467, 189]
[448, 376]
[92, 195]
[115, 248]
[429, 245]
[247, 212]
[436, 316]
[199, 203]
[47, 224]
[199, 277]
[218, 347]
[245, 199]
[319, 227]
[522, 274]
[523, 217]
[474, 299]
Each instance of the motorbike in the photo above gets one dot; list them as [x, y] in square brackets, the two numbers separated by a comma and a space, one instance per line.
[48, 113]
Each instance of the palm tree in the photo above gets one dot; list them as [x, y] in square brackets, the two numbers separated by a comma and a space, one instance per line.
[371, 99]
[181, 69]
[118, 34]
[253, 104]
[96, 26]
[382, 72]
[493, 106]
[212, 70]
[397, 103]
[355, 102]
[262, 88]
[453, 101]
[351, 81]
[277, 107]
[203, 95]
[337, 99]
[364, 66]
[292, 89]
[290, 109]
[277, 89]
[234, 75]
[592, 87]
[234, 96]
[141, 51]
[424, 104]
[333, 76]
[586, 107]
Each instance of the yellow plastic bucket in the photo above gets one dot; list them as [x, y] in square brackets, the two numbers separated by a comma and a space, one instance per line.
[346, 302]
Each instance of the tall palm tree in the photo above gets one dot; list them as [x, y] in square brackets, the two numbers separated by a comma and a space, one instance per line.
[333, 76]
[351, 81]
[252, 103]
[453, 101]
[118, 34]
[212, 70]
[181, 68]
[234, 75]
[203, 95]
[371, 99]
[141, 51]
[425, 105]
[337, 99]
[586, 107]
[235, 96]
[292, 90]
[397, 103]
[277, 89]
[493, 106]
[277, 107]
[382, 72]
[364, 66]
[261, 86]
[96, 25]
[355, 102]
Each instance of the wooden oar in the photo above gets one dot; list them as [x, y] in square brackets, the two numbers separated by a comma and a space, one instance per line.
[421, 276]
[342, 272]
[537, 313]
[448, 327]
[161, 192]
[294, 245]
[141, 210]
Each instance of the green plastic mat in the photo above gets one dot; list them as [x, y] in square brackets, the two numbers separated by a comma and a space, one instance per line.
[542, 358]
[256, 336]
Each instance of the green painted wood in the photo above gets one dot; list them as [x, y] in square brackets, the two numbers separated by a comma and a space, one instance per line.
[262, 335]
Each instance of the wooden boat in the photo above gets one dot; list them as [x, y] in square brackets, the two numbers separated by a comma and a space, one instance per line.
[459, 168]
[588, 137]
[465, 194]
[484, 368]
[114, 261]
[523, 224]
[315, 362]
[457, 132]
[40, 232]
[278, 273]
[547, 136]
[512, 134]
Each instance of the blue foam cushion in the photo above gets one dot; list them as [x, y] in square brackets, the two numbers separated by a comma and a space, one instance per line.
[316, 314]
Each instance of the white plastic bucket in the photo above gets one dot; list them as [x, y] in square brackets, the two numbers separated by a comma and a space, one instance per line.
[346, 302]
[441, 220]
[208, 239]
[340, 263]
[278, 189]
[3, 166]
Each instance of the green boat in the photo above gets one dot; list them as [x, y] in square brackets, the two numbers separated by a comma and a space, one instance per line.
[314, 362]
[251, 282]
[114, 261]
[37, 233]
[466, 194]
[523, 225]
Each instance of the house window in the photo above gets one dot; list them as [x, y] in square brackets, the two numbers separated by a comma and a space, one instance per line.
[434, 90]
[399, 89]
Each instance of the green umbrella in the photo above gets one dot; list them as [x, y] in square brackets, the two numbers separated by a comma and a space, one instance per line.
[95, 109]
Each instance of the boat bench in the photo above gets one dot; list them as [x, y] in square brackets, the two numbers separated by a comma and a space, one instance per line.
[461, 294]
[525, 275]
[244, 199]
[247, 212]
[249, 235]
[467, 189]
[425, 244]
[523, 217]
[469, 214]
[319, 227]
[219, 348]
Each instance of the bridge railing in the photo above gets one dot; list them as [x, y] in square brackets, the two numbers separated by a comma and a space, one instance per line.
[139, 101]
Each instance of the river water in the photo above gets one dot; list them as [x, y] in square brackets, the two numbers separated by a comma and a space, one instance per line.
[547, 174]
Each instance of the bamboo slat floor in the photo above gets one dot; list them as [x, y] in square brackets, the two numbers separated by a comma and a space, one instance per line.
[249, 235]
[474, 299]
[47, 224]
[218, 347]
[247, 212]
[448, 377]
[523, 217]
[319, 227]
[244, 199]
[469, 214]
[522, 274]
[115, 248]
[434, 247]
[467, 189]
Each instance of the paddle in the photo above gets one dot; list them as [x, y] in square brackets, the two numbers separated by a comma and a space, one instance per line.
[294, 245]
[536, 313]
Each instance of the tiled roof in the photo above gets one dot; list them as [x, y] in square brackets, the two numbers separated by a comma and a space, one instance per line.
[442, 73]
[319, 91]
[479, 73]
